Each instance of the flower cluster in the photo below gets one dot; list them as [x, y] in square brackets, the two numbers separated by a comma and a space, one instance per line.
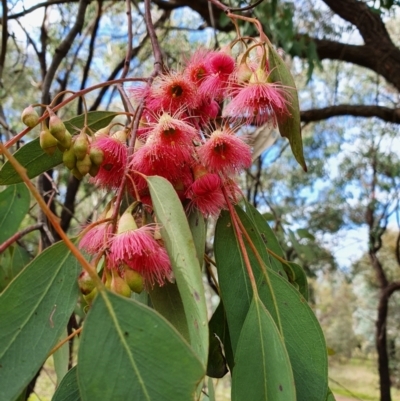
[189, 134]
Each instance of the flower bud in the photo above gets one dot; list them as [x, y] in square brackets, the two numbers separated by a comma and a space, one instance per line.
[126, 222]
[90, 297]
[75, 172]
[47, 142]
[86, 284]
[119, 286]
[244, 72]
[30, 117]
[84, 165]
[57, 128]
[120, 135]
[66, 142]
[96, 156]
[103, 131]
[133, 279]
[94, 170]
[81, 146]
[69, 159]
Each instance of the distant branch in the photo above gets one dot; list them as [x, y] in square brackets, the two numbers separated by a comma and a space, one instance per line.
[384, 113]
[40, 5]
[63, 49]
[4, 37]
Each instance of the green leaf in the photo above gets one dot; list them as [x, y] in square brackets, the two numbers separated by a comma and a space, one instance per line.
[262, 367]
[36, 161]
[167, 301]
[218, 328]
[302, 334]
[14, 205]
[68, 389]
[289, 127]
[12, 261]
[129, 352]
[330, 396]
[300, 279]
[303, 233]
[182, 253]
[34, 310]
[61, 358]
[198, 229]
[267, 236]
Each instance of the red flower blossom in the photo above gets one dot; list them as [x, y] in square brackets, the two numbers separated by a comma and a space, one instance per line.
[258, 100]
[172, 92]
[96, 239]
[224, 152]
[220, 66]
[206, 195]
[137, 248]
[114, 163]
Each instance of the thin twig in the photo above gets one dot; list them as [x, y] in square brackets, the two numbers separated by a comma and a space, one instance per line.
[19, 235]
[65, 340]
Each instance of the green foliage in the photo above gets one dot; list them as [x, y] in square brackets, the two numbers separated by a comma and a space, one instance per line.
[128, 365]
[34, 310]
[14, 204]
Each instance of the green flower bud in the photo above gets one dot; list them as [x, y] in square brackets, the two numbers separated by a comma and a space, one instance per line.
[84, 165]
[86, 284]
[90, 297]
[94, 170]
[96, 156]
[134, 280]
[57, 128]
[75, 172]
[81, 146]
[66, 142]
[29, 117]
[119, 286]
[69, 158]
[47, 142]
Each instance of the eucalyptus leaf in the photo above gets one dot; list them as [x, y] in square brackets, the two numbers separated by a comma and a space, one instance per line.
[181, 249]
[12, 261]
[289, 126]
[61, 358]
[68, 389]
[295, 320]
[262, 366]
[14, 205]
[36, 161]
[130, 352]
[34, 310]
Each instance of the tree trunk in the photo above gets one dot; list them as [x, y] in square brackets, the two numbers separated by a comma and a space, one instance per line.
[381, 347]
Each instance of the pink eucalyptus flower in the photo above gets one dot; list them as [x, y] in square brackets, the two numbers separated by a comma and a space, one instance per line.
[172, 92]
[205, 194]
[225, 152]
[96, 239]
[115, 158]
[137, 248]
[258, 101]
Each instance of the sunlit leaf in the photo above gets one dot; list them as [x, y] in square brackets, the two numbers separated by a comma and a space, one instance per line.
[34, 310]
[182, 253]
[262, 367]
[130, 352]
[14, 205]
[289, 127]
[36, 161]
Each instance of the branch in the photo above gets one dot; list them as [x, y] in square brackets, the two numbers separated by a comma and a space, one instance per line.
[368, 22]
[384, 113]
[4, 37]
[19, 235]
[89, 59]
[40, 5]
[63, 49]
